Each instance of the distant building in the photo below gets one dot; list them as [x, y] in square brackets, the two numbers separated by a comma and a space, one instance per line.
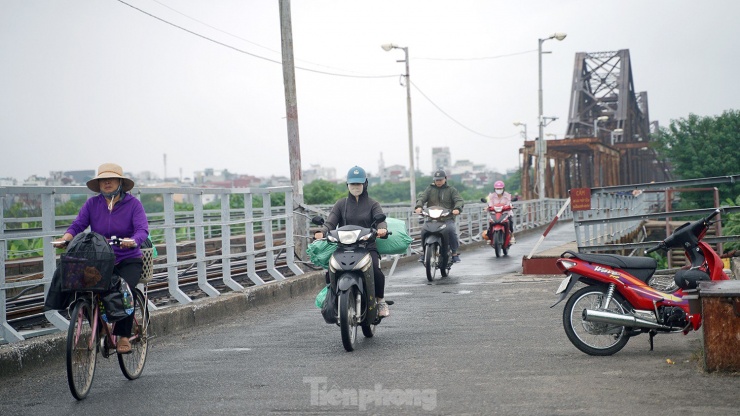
[441, 158]
[277, 181]
[80, 177]
[394, 174]
[8, 182]
[241, 181]
[317, 172]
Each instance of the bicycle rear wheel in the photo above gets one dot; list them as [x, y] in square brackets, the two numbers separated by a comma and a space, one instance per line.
[133, 364]
[81, 350]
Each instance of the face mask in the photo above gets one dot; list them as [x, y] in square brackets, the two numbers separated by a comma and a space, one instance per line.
[499, 191]
[114, 193]
[355, 189]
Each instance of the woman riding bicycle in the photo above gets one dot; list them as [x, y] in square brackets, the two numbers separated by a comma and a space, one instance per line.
[114, 212]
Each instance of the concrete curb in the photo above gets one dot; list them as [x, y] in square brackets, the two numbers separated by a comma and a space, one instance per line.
[40, 351]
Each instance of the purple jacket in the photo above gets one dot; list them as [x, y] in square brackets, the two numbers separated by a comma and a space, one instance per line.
[127, 220]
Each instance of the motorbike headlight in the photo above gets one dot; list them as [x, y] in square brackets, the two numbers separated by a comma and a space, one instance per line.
[435, 213]
[331, 238]
[365, 237]
[348, 237]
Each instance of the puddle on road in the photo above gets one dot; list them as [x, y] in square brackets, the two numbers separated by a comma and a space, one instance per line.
[460, 292]
[230, 349]
[397, 294]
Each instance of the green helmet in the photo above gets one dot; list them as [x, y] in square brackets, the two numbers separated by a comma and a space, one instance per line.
[356, 175]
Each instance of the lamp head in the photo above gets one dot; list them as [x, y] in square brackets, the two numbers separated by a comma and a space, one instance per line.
[602, 118]
[387, 46]
[618, 131]
[516, 123]
[559, 35]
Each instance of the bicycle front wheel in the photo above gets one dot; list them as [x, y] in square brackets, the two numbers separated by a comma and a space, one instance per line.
[133, 364]
[81, 350]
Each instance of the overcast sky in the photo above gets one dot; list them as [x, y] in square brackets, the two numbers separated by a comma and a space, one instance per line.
[84, 82]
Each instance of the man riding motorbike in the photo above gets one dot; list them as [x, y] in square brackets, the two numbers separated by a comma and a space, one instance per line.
[359, 209]
[441, 194]
[500, 197]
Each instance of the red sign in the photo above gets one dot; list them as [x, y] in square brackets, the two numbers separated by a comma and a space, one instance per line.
[580, 199]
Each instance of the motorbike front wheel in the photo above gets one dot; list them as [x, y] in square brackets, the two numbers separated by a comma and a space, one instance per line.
[348, 312]
[498, 242]
[431, 260]
[594, 338]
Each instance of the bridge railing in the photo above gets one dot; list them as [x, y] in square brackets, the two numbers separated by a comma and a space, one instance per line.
[246, 230]
[618, 212]
[174, 231]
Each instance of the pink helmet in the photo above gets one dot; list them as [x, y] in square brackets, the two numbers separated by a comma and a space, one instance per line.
[498, 185]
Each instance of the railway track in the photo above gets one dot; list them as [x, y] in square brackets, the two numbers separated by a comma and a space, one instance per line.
[25, 311]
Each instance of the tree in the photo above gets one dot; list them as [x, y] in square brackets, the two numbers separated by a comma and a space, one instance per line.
[699, 147]
[321, 192]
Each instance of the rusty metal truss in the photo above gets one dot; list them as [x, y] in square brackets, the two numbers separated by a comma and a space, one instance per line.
[606, 110]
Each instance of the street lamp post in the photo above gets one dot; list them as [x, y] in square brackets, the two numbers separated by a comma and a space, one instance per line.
[541, 149]
[412, 173]
[516, 123]
[616, 132]
[596, 124]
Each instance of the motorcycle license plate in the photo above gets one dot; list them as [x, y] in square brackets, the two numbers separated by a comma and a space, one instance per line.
[563, 285]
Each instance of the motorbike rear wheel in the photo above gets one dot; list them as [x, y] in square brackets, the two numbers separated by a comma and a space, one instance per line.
[431, 259]
[348, 313]
[594, 338]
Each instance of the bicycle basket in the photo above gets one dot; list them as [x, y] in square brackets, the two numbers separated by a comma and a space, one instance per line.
[87, 272]
[148, 270]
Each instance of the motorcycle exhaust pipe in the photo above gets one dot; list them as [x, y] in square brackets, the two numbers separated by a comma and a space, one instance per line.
[619, 319]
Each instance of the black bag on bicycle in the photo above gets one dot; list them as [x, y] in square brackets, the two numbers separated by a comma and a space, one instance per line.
[118, 303]
[87, 265]
[56, 299]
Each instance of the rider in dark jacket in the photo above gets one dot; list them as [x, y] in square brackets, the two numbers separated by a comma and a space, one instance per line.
[359, 209]
[443, 195]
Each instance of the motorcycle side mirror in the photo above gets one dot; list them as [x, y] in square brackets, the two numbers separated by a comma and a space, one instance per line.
[317, 220]
[379, 218]
[514, 198]
[483, 200]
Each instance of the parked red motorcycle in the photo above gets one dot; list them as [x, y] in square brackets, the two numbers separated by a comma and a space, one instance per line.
[499, 233]
[618, 303]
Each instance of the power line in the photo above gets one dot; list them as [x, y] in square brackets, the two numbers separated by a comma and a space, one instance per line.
[249, 53]
[478, 59]
[243, 39]
[317, 71]
[460, 124]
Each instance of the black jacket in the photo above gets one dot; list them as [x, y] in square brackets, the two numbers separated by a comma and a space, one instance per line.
[354, 211]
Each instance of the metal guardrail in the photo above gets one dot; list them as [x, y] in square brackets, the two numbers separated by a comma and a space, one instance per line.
[180, 228]
[177, 228]
[619, 211]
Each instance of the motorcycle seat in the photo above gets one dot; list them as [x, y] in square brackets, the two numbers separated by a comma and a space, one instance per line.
[640, 267]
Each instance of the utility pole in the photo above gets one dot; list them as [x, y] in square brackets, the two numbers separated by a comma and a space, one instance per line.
[294, 144]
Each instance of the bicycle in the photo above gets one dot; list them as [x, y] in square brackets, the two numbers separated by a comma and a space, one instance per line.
[88, 333]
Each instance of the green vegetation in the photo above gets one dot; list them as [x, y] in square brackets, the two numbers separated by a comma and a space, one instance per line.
[702, 147]
[699, 147]
[323, 192]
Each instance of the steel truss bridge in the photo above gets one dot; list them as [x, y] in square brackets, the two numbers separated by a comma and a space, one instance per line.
[608, 138]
